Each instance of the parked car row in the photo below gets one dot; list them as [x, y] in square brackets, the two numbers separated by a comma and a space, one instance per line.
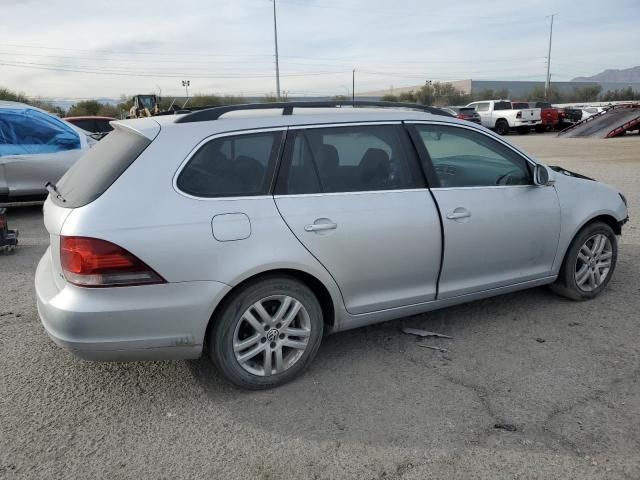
[505, 116]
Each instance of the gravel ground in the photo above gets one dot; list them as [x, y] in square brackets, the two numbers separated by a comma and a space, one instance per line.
[373, 406]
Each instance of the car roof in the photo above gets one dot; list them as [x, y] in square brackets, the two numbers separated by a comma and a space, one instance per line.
[11, 104]
[273, 118]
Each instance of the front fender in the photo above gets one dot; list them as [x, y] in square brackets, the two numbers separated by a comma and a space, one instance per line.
[581, 201]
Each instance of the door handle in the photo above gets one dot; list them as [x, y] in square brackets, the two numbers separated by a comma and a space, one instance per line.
[459, 213]
[318, 227]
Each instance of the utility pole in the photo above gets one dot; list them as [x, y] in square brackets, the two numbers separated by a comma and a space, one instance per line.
[275, 35]
[353, 87]
[547, 83]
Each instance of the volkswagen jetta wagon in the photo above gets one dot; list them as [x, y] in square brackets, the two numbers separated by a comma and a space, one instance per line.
[251, 231]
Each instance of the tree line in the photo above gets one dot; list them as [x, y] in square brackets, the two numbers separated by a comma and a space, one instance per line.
[436, 94]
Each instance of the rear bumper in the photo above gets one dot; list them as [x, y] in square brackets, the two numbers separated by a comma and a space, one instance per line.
[526, 123]
[153, 322]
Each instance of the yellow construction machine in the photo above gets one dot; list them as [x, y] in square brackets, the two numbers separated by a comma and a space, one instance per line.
[144, 106]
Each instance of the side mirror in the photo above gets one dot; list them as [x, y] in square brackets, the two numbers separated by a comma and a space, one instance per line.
[541, 176]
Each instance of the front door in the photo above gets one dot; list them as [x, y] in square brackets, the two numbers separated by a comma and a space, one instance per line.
[354, 197]
[499, 228]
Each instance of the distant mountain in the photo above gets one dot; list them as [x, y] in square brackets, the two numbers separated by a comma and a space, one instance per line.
[627, 75]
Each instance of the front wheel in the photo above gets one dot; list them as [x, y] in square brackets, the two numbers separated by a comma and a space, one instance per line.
[589, 263]
[266, 333]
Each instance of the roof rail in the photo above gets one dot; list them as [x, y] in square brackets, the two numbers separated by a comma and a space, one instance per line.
[204, 114]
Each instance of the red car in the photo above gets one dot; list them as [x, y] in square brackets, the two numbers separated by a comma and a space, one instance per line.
[548, 114]
[93, 124]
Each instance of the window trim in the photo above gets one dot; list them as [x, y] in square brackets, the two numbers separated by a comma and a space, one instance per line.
[407, 143]
[426, 160]
[235, 133]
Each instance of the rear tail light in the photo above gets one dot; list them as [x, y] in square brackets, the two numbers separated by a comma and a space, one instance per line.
[91, 262]
[3, 220]
[519, 114]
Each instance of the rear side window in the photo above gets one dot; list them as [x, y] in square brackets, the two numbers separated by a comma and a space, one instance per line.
[239, 165]
[99, 167]
[502, 106]
[349, 159]
[482, 107]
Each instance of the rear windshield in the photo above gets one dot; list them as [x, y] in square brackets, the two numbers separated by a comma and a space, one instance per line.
[97, 169]
[517, 105]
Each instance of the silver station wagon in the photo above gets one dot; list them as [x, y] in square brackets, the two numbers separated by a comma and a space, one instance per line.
[250, 231]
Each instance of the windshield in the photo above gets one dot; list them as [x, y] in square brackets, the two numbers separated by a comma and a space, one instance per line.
[97, 169]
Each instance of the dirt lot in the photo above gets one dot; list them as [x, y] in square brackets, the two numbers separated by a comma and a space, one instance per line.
[373, 406]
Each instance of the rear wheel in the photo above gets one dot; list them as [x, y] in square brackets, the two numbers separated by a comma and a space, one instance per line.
[589, 263]
[502, 127]
[267, 333]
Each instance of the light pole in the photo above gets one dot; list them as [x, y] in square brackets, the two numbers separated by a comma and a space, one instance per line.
[275, 37]
[547, 82]
[353, 87]
[185, 84]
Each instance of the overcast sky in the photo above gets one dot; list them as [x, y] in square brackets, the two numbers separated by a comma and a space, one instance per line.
[80, 49]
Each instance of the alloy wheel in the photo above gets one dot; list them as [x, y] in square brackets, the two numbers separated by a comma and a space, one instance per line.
[593, 262]
[271, 335]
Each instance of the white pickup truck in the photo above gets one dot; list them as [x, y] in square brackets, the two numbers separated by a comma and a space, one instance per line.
[502, 117]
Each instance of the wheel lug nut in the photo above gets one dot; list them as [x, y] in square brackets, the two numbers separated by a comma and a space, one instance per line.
[273, 344]
[282, 336]
[266, 328]
[263, 339]
[278, 325]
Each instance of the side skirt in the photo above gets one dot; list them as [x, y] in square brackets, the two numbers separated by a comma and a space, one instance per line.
[348, 322]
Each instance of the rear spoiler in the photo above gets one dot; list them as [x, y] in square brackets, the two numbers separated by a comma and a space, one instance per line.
[146, 127]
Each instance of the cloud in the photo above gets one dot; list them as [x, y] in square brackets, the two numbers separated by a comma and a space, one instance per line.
[85, 49]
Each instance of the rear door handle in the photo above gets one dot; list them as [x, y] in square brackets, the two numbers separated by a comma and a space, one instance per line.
[459, 213]
[318, 227]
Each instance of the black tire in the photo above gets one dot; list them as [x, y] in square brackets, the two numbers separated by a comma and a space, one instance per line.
[502, 127]
[524, 130]
[566, 284]
[221, 335]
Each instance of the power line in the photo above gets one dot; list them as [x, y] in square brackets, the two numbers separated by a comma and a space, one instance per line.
[39, 66]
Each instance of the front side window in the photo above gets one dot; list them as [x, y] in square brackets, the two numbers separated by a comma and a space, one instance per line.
[464, 158]
[27, 132]
[239, 165]
[349, 159]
